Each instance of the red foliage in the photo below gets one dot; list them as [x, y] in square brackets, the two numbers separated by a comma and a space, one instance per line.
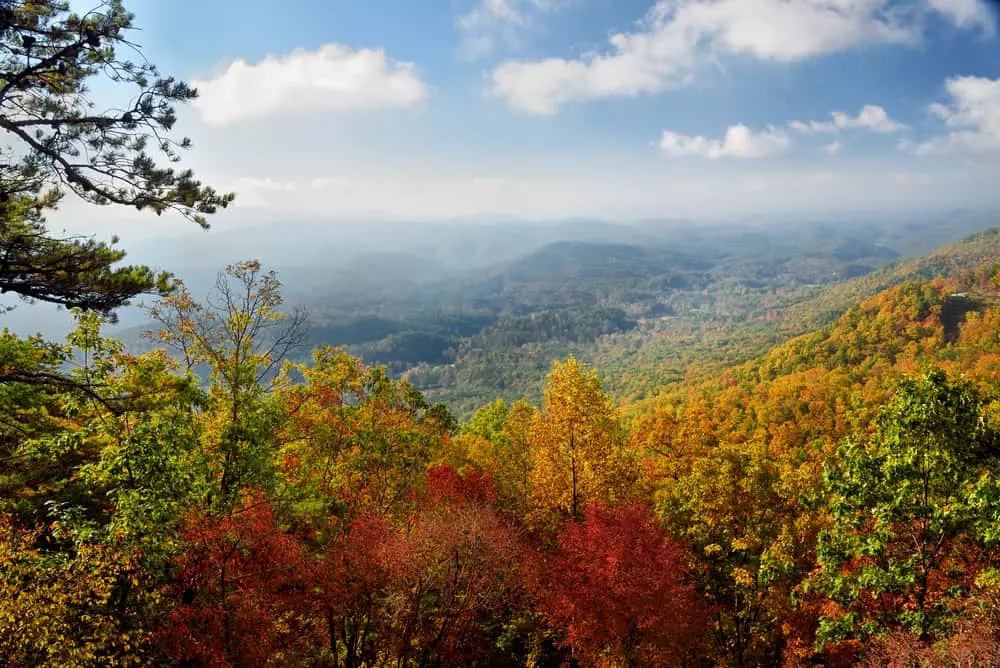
[434, 591]
[616, 588]
[972, 644]
[463, 579]
[445, 485]
[353, 583]
[240, 591]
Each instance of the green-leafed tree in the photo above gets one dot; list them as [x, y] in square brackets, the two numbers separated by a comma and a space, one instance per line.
[240, 335]
[914, 512]
[57, 139]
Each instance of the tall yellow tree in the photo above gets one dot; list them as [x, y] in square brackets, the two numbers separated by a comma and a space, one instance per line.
[577, 446]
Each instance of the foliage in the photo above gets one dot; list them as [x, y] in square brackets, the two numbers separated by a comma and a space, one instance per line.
[59, 143]
[355, 440]
[62, 607]
[913, 508]
[577, 450]
[241, 335]
[750, 542]
[240, 592]
[209, 503]
[616, 586]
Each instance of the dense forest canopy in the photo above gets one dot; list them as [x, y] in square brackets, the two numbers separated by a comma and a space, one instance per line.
[796, 461]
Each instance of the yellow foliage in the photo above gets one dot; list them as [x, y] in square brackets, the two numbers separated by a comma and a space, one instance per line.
[56, 609]
[577, 447]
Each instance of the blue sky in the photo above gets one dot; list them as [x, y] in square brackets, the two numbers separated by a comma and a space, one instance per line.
[605, 108]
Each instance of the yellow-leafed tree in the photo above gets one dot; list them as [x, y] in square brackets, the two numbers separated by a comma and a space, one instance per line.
[577, 446]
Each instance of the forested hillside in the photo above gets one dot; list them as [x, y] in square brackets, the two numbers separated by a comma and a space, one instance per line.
[643, 302]
[834, 500]
[680, 318]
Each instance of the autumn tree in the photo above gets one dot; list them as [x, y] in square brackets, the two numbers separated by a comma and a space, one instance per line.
[355, 441]
[577, 449]
[617, 588]
[750, 539]
[497, 441]
[56, 607]
[462, 578]
[240, 596]
[240, 335]
[353, 581]
[914, 506]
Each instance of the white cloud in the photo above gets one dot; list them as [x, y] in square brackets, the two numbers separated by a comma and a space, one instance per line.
[871, 117]
[739, 142]
[494, 23]
[965, 13]
[974, 115]
[678, 36]
[332, 78]
[833, 148]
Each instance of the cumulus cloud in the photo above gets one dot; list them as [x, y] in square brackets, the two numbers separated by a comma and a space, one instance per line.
[331, 78]
[494, 23]
[973, 114]
[677, 36]
[739, 142]
[871, 117]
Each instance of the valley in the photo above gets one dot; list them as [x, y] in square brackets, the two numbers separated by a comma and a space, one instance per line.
[680, 299]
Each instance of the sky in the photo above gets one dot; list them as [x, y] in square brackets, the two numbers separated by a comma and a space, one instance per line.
[614, 109]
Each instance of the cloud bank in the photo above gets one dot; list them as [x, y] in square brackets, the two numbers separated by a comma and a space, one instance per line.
[677, 37]
[973, 114]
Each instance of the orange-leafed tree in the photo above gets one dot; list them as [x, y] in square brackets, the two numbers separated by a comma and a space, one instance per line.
[355, 441]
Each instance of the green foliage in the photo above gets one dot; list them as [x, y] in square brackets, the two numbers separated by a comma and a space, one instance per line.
[50, 55]
[242, 335]
[73, 272]
[908, 506]
[746, 537]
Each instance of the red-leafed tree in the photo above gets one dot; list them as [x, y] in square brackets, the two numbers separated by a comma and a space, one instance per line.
[445, 485]
[616, 588]
[435, 590]
[462, 581]
[463, 577]
[240, 593]
[353, 581]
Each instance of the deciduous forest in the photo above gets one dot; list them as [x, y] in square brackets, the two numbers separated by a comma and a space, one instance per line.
[810, 481]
